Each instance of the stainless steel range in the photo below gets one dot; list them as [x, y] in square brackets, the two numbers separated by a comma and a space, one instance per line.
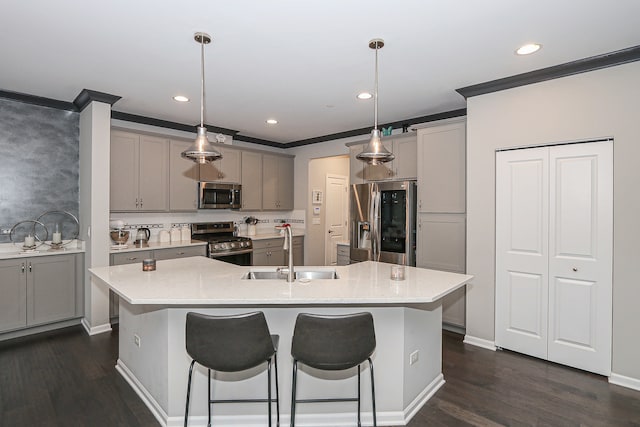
[223, 244]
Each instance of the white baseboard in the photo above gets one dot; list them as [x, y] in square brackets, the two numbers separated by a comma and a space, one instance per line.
[623, 381]
[479, 342]
[100, 329]
[420, 400]
[347, 419]
[147, 399]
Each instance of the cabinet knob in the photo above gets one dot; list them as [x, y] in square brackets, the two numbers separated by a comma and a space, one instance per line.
[575, 268]
[180, 253]
[133, 258]
[140, 201]
[30, 268]
[22, 267]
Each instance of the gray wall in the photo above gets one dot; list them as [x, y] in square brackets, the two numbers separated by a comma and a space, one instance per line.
[39, 162]
[597, 104]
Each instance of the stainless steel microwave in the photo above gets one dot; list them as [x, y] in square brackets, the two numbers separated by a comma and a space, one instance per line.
[216, 195]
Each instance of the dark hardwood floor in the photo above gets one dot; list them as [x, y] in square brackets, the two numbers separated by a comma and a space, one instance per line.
[67, 378]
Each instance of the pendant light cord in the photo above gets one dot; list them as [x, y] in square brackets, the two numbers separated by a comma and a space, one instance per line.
[202, 80]
[375, 104]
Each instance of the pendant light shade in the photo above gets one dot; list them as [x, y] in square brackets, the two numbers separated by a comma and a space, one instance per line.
[201, 151]
[375, 153]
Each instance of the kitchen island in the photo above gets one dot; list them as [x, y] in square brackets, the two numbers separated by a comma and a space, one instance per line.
[152, 357]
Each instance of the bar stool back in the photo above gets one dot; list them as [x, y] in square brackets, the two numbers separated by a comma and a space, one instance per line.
[333, 343]
[231, 344]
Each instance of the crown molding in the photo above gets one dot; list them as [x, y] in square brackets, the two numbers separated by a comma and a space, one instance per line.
[563, 70]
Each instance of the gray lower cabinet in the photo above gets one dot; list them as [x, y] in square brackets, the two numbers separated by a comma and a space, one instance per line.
[39, 290]
[344, 254]
[269, 252]
[185, 252]
[298, 251]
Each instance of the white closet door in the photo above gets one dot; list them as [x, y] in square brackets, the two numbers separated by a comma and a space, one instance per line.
[522, 250]
[554, 252]
[580, 255]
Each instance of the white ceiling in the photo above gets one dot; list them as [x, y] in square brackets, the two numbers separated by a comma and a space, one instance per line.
[302, 62]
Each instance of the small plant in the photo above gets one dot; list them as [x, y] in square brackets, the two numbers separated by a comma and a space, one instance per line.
[252, 220]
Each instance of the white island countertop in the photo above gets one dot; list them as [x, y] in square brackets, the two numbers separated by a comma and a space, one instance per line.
[204, 281]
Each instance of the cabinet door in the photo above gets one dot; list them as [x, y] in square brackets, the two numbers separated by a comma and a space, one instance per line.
[298, 251]
[226, 169]
[356, 167]
[13, 294]
[441, 176]
[51, 289]
[276, 257]
[251, 177]
[381, 171]
[123, 176]
[441, 242]
[261, 257]
[180, 252]
[153, 176]
[441, 246]
[230, 171]
[183, 179]
[285, 183]
[405, 165]
[270, 181]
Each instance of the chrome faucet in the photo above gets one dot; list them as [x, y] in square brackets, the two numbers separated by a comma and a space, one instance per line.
[288, 244]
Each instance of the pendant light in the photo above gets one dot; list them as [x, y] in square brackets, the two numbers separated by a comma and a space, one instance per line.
[201, 150]
[375, 153]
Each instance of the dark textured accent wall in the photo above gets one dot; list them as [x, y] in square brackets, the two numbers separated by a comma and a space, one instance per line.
[39, 162]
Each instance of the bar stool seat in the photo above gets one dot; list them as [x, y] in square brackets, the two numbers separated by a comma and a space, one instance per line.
[231, 344]
[333, 343]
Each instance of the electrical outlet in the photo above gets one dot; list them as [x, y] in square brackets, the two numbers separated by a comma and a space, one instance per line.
[136, 340]
[413, 357]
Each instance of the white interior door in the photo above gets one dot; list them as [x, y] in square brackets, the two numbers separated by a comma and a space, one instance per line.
[554, 249]
[336, 216]
[580, 255]
[522, 229]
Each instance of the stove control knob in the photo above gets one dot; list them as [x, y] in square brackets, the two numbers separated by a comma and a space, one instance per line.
[226, 245]
[235, 245]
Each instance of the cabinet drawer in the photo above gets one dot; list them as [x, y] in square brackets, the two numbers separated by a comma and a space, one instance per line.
[182, 252]
[130, 257]
[268, 243]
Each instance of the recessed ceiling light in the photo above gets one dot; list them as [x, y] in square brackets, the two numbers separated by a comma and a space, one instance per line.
[180, 98]
[528, 49]
[364, 95]
[271, 121]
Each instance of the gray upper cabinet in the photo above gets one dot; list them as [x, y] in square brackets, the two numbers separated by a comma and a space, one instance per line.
[226, 169]
[251, 177]
[441, 176]
[277, 182]
[403, 166]
[356, 167]
[139, 172]
[183, 179]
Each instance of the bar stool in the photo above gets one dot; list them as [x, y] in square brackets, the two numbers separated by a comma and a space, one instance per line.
[333, 343]
[231, 344]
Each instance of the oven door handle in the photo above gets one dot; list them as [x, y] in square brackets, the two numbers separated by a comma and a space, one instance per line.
[221, 254]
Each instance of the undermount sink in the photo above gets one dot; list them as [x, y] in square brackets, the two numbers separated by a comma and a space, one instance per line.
[298, 274]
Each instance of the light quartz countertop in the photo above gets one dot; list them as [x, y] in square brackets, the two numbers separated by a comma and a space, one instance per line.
[155, 245]
[205, 281]
[11, 251]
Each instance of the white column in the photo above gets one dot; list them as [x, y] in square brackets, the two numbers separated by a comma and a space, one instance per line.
[95, 137]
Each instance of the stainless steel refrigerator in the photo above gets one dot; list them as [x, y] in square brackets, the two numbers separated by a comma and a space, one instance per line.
[383, 222]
